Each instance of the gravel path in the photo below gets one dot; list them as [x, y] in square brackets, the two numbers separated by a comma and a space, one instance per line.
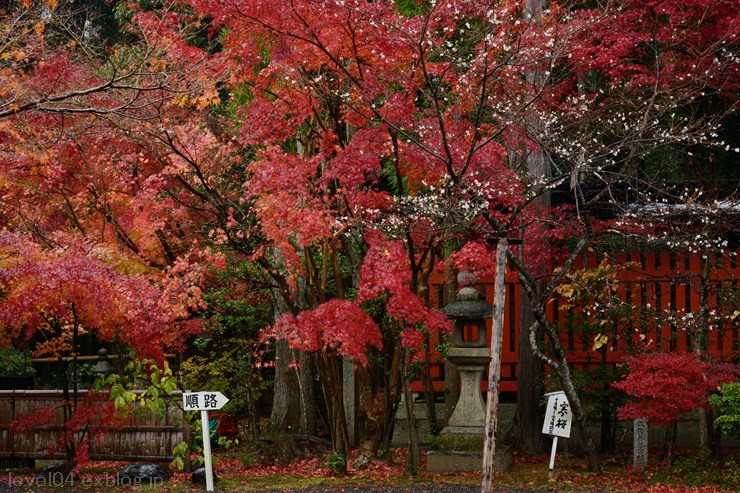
[414, 488]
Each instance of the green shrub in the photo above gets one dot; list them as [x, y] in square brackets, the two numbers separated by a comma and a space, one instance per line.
[15, 363]
[726, 405]
[337, 463]
[702, 469]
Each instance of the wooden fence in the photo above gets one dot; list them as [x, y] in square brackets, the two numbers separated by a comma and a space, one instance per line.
[143, 436]
[653, 283]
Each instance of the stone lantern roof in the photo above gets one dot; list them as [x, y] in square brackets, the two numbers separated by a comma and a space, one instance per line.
[468, 306]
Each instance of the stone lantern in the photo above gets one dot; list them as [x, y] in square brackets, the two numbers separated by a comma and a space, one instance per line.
[102, 368]
[469, 351]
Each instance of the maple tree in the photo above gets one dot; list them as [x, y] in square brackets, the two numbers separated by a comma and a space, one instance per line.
[664, 386]
[53, 298]
[61, 293]
[399, 118]
[341, 146]
[86, 243]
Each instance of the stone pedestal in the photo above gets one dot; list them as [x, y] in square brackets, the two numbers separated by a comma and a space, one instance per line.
[466, 427]
[470, 409]
[462, 461]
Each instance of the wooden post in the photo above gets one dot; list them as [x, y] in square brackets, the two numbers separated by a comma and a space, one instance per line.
[494, 368]
[187, 438]
[207, 460]
[553, 450]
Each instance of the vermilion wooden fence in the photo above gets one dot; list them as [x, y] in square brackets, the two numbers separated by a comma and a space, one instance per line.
[651, 282]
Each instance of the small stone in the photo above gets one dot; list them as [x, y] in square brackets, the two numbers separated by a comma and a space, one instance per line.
[199, 476]
[56, 474]
[361, 462]
[137, 474]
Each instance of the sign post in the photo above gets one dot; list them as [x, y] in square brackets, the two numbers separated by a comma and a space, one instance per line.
[558, 420]
[203, 402]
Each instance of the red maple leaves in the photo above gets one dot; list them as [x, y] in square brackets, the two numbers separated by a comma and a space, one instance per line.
[665, 386]
[55, 291]
[337, 325]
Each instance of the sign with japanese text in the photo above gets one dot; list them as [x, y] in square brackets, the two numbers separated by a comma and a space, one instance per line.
[558, 416]
[203, 401]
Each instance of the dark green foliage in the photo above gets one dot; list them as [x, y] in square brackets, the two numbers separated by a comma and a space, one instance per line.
[726, 405]
[704, 469]
[230, 357]
[337, 463]
[411, 8]
[15, 363]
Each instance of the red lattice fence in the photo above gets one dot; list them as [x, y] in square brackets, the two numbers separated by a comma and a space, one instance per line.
[651, 281]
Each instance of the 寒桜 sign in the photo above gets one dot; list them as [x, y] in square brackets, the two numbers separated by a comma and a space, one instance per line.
[558, 416]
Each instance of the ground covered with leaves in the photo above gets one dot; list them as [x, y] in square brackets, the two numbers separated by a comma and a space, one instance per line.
[238, 471]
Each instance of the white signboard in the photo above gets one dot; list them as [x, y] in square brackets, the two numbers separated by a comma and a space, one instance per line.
[558, 416]
[203, 401]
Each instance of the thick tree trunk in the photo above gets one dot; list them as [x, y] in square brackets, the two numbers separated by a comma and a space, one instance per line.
[526, 430]
[373, 413]
[608, 429]
[331, 384]
[412, 457]
[294, 397]
[452, 389]
[670, 443]
[525, 433]
[308, 399]
[285, 419]
[379, 396]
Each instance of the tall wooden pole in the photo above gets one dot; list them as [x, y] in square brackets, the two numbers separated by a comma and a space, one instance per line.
[494, 368]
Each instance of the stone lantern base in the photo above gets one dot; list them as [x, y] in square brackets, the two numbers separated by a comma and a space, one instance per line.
[463, 438]
[461, 461]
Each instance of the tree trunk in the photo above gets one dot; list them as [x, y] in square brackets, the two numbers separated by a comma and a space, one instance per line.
[331, 384]
[294, 398]
[412, 457]
[560, 361]
[69, 445]
[579, 417]
[670, 442]
[393, 388]
[379, 390]
[307, 382]
[373, 413]
[429, 397]
[285, 419]
[526, 430]
[701, 339]
[560, 364]
[525, 433]
[608, 429]
[452, 389]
